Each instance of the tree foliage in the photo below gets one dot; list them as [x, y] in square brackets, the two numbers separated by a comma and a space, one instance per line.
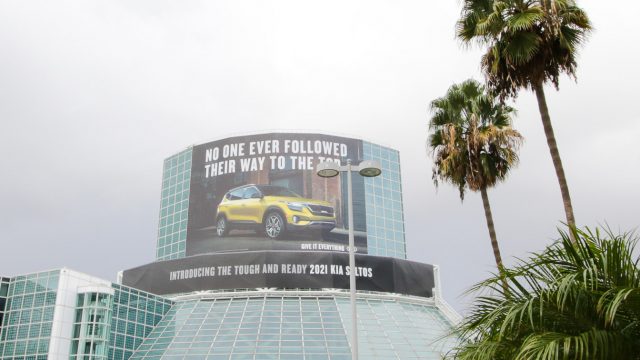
[473, 144]
[529, 42]
[577, 300]
[472, 140]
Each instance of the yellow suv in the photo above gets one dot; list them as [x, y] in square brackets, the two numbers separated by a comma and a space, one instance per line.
[273, 210]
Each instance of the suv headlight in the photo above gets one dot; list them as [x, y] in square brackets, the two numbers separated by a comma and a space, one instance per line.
[296, 206]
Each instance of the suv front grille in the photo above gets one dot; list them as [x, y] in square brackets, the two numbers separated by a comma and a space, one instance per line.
[321, 210]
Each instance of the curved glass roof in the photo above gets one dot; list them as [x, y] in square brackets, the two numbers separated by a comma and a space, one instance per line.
[296, 327]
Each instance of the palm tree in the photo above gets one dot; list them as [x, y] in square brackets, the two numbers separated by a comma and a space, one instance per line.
[529, 43]
[575, 300]
[473, 144]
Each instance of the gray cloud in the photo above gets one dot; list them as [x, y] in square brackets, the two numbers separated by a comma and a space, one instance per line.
[93, 96]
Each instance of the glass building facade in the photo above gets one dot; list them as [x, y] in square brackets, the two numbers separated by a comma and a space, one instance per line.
[4, 290]
[92, 325]
[135, 314]
[174, 206]
[29, 314]
[111, 321]
[383, 196]
[297, 325]
[64, 314]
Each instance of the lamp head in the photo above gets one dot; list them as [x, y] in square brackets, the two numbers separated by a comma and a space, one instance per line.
[370, 168]
[327, 169]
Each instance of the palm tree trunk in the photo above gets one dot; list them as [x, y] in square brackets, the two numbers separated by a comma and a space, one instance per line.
[492, 230]
[494, 239]
[555, 156]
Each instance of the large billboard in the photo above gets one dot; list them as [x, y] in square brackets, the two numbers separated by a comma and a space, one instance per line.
[260, 192]
[281, 269]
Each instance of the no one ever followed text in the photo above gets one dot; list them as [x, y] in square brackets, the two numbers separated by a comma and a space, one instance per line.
[265, 147]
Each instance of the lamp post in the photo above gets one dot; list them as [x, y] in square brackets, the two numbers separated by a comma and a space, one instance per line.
[366, 168]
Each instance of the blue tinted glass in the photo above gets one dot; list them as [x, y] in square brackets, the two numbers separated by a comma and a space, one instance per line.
[384, 200]
[175, 185]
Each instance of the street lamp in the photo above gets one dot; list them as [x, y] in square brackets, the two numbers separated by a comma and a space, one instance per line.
[366, 168]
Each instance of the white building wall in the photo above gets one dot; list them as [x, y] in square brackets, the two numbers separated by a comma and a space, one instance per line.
[70, 284]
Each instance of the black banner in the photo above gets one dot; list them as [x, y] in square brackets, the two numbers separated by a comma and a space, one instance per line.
[281, 269]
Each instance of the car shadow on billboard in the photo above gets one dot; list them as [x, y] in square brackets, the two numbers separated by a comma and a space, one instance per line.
[206, 240]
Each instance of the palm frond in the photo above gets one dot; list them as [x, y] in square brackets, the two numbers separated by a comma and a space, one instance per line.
[524, 20]
[574, 300]
[472, 142]
[527, 42]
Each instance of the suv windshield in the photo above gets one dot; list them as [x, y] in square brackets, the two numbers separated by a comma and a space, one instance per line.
[272, 190]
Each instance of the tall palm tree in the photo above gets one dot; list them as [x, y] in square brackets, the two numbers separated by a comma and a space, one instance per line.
[576, 299]
[473, 144]
[529, 43]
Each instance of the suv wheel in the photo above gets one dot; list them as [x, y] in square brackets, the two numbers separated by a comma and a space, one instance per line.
[222, 227]
[274, 225]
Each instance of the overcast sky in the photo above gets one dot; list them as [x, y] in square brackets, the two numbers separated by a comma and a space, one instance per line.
[95, 94]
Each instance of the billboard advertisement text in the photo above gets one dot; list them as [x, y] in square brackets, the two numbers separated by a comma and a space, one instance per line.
[260, 192]
[281, 269]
